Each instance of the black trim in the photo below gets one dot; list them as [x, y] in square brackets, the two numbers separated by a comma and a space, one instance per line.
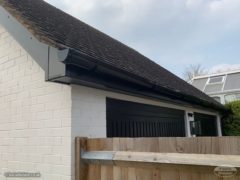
[82, 69]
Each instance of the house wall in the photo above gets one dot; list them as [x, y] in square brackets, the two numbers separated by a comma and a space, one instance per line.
[89, 110]
[35, 116]
[39, 120]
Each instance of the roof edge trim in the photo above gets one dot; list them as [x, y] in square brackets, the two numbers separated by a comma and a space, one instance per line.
[82, 61]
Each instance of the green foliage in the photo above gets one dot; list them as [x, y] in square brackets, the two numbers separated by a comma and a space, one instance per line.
[231, 120]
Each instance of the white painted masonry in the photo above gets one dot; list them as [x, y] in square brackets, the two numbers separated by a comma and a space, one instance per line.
[35, 116]
[39, 120]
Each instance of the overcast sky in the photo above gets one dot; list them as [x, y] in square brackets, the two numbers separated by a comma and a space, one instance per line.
[173, 33]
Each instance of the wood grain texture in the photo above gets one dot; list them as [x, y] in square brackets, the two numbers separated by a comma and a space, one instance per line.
[199, 145]
[77, 158]
[81, 168]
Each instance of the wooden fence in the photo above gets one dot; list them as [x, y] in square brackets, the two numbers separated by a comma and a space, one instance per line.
[156, 158]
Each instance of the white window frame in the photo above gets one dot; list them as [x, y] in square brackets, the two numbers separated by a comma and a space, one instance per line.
[236, 94]
[223, 80]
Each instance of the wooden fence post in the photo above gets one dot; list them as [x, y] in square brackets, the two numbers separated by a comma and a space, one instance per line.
[81, 168]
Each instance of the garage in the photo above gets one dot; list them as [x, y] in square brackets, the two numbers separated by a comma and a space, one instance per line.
[129, 119]
[207, 124]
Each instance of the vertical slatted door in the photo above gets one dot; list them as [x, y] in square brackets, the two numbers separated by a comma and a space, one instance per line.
[208, 124]
[129, 119]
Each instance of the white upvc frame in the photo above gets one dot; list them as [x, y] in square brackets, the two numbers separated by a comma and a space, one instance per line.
[225, 80]
[187, 125]
[222, 82]
[219, 126]
[216, 74]
[236, 94]
[189, 119]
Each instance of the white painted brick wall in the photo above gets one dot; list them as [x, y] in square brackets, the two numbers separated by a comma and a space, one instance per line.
[35, 116]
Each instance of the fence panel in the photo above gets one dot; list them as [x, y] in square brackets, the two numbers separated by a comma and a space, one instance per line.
[208, 150]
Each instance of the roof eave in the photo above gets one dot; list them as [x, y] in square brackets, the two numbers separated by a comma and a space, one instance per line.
[92, 66]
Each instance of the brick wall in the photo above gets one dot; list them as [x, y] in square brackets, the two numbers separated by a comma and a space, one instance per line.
[35, 116]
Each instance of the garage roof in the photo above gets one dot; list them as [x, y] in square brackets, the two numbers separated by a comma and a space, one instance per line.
[58, 29]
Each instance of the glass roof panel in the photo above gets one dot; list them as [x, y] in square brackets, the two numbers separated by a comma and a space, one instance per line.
[199, 83]
[232, 82]
[212, 88]
[217, 79]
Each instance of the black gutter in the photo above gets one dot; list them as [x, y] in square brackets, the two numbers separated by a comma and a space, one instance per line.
[83, 66]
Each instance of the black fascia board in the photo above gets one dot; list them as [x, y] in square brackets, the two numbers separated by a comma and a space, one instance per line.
[81, 68]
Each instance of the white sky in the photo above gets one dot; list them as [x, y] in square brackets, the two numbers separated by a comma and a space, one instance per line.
[173, 33]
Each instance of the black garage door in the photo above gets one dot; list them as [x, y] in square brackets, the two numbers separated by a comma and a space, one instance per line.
[128, 119]
[208, 124]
